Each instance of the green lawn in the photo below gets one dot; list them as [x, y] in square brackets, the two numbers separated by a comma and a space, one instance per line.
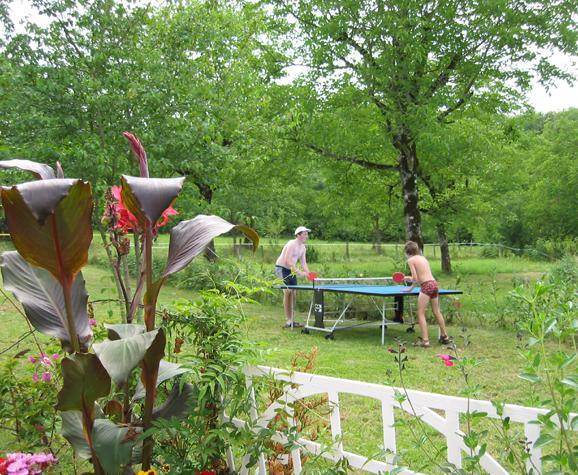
[483, 322]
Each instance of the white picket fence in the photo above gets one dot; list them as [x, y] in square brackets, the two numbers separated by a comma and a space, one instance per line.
[426, 406]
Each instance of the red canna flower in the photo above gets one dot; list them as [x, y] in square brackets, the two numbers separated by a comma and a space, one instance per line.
[127, 221]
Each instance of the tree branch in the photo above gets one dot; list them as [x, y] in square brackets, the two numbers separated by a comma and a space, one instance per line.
[343, 158]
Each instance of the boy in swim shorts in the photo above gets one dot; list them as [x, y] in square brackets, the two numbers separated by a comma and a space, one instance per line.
[429, 292]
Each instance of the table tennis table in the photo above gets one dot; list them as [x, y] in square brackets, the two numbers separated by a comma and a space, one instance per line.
[351, 291]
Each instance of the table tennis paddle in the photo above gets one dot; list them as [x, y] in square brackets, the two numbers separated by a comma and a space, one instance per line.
[311, 276]
[398, 277]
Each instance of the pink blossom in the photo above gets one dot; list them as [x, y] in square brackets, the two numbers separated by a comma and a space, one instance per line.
[46, 376]
[45, 360]
[447, 359]
[27, 464]
[92, 322]
[55, 356]
[32, 359]
[35, 377]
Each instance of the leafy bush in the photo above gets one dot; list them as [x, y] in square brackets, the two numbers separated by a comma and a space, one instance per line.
[206, 338]
[556, 249]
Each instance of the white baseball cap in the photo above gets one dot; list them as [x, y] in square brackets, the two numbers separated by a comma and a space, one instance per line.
[301, 229]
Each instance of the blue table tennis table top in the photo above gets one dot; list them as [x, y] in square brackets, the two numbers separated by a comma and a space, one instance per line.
[378, 290]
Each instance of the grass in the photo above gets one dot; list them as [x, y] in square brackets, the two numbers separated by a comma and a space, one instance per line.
[484, 321]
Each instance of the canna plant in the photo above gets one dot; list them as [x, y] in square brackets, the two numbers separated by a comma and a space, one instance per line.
[49, 221]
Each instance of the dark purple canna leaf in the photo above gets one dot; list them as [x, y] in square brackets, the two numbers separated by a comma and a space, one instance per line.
[178, 404]
[42, 297]
[147, 198]
[190, 238]
[85, 380]
[40, 197]
[50, 224]
[39, 170]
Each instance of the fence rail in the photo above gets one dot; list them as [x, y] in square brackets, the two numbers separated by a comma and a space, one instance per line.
[440, 412]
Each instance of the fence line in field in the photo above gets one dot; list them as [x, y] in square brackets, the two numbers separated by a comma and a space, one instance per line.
[378, 248]
[435, 248]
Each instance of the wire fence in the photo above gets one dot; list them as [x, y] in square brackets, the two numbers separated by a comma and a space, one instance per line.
[268, 251]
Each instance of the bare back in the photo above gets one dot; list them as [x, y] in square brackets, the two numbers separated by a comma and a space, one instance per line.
[420, 269]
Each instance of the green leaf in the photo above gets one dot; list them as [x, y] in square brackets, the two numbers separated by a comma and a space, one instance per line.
[166, 371]
[147, 198]
[39, 170]
[113, 444]
[574, 423]
[120, 357]
[533, 378]
[50, 224]
[571, 380]
[123, 330]
[73, 432]
[568, 360]
[43, 300]
[179, 402]
[84, 381]
[189, 239]
[478, 414]
[543, 440]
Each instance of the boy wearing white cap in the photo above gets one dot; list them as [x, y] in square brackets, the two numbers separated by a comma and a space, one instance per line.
[286, 269]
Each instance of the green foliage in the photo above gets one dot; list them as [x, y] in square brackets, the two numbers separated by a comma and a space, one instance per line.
[28, 406]
[549, 314]
[207, 331]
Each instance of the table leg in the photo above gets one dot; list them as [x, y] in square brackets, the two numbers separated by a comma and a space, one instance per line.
[398, 314]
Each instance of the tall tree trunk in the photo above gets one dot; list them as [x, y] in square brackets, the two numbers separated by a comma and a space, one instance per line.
[445, 249]
[408, 170]
[376, 234]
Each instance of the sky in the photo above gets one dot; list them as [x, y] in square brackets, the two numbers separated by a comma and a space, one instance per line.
[559, 97]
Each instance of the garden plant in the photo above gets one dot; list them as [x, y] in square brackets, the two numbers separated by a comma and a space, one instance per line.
[50, 224]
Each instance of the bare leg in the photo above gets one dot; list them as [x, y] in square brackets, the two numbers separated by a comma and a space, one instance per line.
[435, 306]
[422, 301]
[288, 295]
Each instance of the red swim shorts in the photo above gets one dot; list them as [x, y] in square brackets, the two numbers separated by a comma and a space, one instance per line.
[430, 288]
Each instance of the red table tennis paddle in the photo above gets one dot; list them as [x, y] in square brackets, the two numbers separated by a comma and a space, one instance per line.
[311, 276]
[398, 277]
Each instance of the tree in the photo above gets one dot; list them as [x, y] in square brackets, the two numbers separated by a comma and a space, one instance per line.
[420, 63]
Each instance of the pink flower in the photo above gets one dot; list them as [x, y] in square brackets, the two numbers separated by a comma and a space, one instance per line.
[32, 359]
[26, 464]
[45, 360]
[55, 356]
[92, 322]
[35, 377]
[46, 376]
[447, 359]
